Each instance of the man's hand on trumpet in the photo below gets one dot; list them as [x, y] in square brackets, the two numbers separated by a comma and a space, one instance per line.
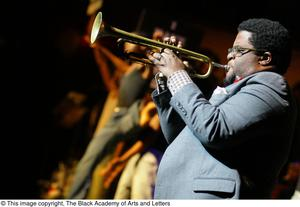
[167, 61]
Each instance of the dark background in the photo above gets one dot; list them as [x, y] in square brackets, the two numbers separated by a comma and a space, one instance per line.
[40, 63]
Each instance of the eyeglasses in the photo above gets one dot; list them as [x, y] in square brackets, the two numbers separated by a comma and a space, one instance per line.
[239, 51]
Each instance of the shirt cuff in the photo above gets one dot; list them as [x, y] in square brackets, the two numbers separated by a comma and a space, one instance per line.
[177, 80]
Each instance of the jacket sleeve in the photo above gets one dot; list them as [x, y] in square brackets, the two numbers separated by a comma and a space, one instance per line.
[219, 126]
[170, 121]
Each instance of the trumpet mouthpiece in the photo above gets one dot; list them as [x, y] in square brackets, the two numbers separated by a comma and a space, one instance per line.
[226, 67]
[217, 65]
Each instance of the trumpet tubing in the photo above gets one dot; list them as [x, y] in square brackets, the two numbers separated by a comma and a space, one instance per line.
[100, 30]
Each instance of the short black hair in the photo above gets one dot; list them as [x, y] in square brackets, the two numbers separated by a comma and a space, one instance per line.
[270, 36]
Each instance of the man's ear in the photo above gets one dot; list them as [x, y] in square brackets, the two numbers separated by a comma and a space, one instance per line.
[265, 59]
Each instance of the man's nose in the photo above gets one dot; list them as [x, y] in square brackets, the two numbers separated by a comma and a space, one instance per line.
[230, 56]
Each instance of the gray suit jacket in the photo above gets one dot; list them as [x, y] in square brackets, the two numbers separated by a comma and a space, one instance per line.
[232, 146]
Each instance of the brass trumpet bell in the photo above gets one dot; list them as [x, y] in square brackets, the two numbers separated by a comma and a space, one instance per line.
[100, 30]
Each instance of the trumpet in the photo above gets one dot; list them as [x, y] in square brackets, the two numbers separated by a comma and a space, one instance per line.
[100, 30]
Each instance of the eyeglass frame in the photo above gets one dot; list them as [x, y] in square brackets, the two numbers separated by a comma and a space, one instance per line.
[240, 51]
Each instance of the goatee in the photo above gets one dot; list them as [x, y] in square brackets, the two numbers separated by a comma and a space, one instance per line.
[229, 80]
